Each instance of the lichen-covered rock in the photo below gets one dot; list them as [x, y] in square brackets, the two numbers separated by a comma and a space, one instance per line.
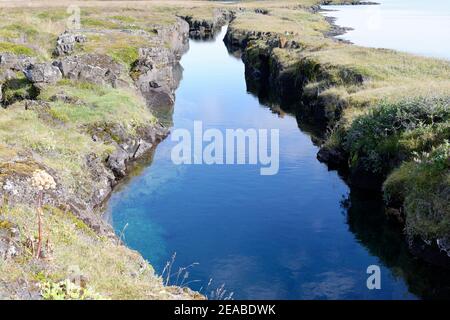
[94, 68]
[65, 44]
[43, 73]
[130, 148]
[158, 75]
[15, 62]
[205, 29]
[9, 240]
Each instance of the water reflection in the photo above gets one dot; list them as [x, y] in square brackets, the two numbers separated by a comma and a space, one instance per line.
[280, 237]
[383, 238]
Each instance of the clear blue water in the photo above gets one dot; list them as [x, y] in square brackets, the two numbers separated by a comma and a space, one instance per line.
[415, 26]
[299, 234]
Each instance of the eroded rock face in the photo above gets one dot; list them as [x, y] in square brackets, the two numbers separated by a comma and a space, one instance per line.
[206, 29]
[131, 148]
[65, 44]
[176, 36]
[157, 71]
[95, 68]
[15, 62]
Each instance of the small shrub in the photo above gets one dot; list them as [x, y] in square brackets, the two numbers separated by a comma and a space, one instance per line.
[423, 185]
[378, 139]
[67, 290]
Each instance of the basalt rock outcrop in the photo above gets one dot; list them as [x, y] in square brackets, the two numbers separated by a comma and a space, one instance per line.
[157, 72]
[155, 75]
[206, 29]
[13, 62]
[94, 68]
[66, 42]
[43, 73]
[299, 83]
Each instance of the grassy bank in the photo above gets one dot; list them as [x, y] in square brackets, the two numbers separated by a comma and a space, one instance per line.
[387, 111]
[70, 128]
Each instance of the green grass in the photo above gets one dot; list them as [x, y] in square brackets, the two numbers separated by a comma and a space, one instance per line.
[53, 14]
[111, 270]
[16, 49]
[126, 55]
[88, 22]
[98, 104]
[423, 186]
[17, 89]
[391, 132]
[27, 30]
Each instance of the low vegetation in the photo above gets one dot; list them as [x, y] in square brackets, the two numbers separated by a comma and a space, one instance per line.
[80, 265]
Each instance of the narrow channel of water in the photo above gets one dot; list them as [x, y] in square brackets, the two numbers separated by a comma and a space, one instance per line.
[415, 26]
[299, 234]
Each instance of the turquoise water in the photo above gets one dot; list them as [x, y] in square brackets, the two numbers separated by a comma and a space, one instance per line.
[300, 234]
[415, 26]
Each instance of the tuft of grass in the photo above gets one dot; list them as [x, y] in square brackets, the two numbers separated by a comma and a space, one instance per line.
[423, 186]
[126, 55]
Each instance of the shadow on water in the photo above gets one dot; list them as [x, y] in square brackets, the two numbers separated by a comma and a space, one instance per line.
[384, 239]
